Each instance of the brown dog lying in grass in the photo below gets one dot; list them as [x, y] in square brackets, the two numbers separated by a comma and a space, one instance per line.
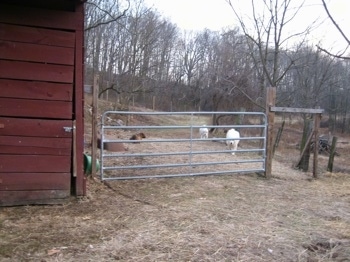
[138, 136]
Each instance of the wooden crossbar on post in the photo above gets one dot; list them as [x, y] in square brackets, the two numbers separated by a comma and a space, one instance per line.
[296, 110]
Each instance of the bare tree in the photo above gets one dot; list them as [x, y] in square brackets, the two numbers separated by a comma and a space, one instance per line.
[106, 14]
[100, 17]
[312, 77]
[340, 31]
[267, 35]
[141, 56]
[193, 53]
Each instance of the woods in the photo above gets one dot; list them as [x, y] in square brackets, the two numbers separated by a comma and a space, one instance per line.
[144, 59]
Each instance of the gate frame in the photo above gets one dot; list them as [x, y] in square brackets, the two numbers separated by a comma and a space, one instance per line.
[191, 127]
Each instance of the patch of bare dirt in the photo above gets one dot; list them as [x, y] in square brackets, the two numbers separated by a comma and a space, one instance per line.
[290, 217]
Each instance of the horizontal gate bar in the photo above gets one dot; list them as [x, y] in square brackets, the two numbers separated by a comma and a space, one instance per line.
[184, 113]
[182, 140]
[181, 127]
[181, 153]
[183, 164]
[246, 171]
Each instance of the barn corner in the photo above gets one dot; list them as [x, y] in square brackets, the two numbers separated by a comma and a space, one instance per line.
[41, 101]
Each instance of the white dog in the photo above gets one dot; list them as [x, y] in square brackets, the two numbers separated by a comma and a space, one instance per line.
[204, 132]
[232, 142]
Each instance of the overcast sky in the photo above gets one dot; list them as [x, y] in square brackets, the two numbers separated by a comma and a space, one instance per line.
[217, 14]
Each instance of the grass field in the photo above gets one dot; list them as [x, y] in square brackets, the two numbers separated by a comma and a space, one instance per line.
[290, 217]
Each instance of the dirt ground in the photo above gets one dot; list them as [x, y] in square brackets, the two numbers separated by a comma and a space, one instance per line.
[240, 217]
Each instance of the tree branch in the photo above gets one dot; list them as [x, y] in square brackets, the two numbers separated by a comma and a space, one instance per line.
[113, 19]
[333, 55]
[340, 31]
[335, 23]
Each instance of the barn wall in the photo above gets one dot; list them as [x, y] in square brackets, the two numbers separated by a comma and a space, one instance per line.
[41, 72]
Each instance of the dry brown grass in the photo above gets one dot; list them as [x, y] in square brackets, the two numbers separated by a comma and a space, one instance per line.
[290, 217]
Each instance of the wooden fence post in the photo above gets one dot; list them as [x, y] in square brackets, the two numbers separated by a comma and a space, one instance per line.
[278, 137]
[317, 120]
[332, 154]
[302, 162]
[270, 101]
[95, 89]
[308, 134]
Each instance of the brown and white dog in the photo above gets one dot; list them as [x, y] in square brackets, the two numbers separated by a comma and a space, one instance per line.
[138, 136]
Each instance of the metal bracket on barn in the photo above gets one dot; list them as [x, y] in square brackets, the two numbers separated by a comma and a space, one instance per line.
[171, 145]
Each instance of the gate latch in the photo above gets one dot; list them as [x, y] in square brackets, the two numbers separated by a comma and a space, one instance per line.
[68, 129]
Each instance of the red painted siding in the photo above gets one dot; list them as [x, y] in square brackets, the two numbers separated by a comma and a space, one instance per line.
[40, 36]
[36, 72]
[41, 87]
[33, 181]
[28, 197]
[34, 163]
[34, 108]
[35, 145]
[36, 90]
[36, 53]
[37, 17]
[34, 127]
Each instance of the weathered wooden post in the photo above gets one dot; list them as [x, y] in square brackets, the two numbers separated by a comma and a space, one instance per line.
[299, 164]
[317, 120]
[278, 137]
[270, 101]
[332, 154]
[308, 134]
[95, 89]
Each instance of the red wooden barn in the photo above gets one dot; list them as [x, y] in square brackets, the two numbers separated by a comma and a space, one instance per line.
[41, 101]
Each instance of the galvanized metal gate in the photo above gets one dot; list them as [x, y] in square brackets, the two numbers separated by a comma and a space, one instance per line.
[172, 146]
